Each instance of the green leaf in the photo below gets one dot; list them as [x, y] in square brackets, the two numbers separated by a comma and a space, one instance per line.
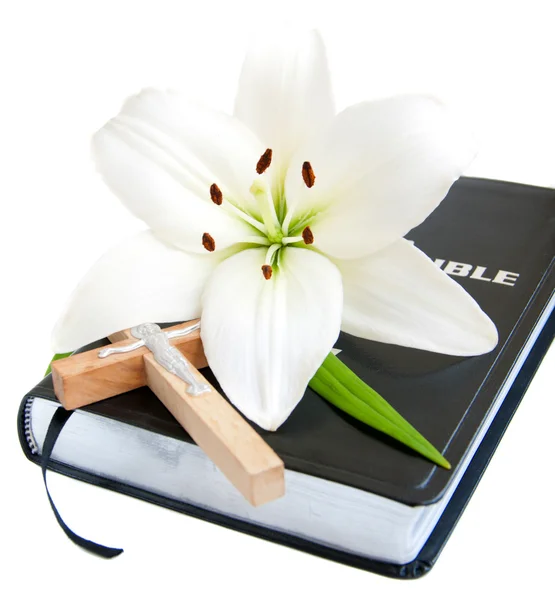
[335, 382]
[56, 357]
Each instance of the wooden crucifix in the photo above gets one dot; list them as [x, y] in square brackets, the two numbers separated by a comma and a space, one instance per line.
[228, 440]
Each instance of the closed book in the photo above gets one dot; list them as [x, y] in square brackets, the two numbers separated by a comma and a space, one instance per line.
[352, 494]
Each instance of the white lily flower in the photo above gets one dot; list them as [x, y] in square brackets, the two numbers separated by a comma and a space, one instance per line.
[279, 226]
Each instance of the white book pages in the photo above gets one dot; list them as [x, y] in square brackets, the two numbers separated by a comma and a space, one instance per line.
[329, 513]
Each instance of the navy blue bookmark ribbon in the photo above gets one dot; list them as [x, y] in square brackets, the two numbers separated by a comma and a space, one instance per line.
[60, 418]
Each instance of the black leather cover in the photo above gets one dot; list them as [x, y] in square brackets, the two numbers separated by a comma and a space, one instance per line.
[498, 225]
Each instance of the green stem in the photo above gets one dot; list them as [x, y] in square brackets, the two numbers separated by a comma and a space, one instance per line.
[335, 382]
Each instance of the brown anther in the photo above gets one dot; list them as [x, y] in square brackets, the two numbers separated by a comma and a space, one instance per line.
[264, 161]
[216, 194]
[308, 236]
[208, 242]
[308, 174]
[267, 271]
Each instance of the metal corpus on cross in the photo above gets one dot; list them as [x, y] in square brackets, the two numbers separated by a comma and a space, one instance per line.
[167, 361]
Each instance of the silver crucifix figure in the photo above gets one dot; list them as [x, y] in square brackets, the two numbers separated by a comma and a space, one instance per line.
[158, 342]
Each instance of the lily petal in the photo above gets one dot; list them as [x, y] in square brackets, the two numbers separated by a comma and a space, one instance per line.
[160, 156]
[400, 296]
[381, 168]
[140, 280]
[265, 339]
[284, 92]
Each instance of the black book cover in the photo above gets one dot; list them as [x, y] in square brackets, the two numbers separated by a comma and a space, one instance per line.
[498, 241]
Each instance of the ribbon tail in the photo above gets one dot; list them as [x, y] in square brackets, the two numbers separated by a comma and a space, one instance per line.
[60, 418]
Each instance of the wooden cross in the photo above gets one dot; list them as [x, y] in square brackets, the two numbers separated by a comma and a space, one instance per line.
[228, 440]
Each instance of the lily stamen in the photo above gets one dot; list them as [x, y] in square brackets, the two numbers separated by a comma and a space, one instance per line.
[263, 196]
[216, 194]
[257, 240]
[308, 236]
[308, 174]
[231, 208]
[267, 271]
[208, 242]
[270, 254]
[292, 240]
[264, 161]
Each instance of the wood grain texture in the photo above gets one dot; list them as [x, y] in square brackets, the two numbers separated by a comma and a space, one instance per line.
[190, 346]
[234, 446]
[83, 378]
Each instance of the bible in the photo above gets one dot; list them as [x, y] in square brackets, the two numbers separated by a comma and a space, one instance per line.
[352, 494]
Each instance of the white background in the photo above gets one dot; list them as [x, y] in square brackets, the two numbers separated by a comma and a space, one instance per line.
[66, 67]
